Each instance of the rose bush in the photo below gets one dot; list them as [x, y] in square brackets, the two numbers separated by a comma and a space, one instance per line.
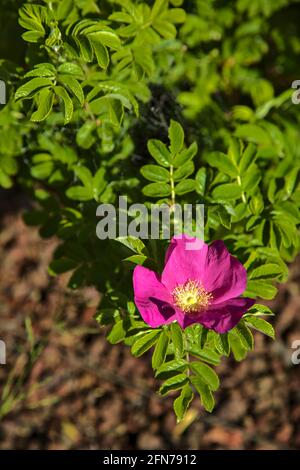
[160, 101]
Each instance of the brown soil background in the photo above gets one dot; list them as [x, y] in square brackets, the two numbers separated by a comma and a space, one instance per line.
[83, 393]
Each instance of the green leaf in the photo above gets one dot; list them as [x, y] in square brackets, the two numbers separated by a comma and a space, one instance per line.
[68, 104]
[205, 354]
[41, 158]
[242, 113]
[8, 164]
[107, 38]
[68, 68]
[227, 191]
[201, 181]
[32, 87]
[166, 29]
[185, 186]
[173, 383]
[290, 180]
[184, 171]
[59, 266]
[32, 36]
[84, 137]
[175, 15]
[136, 259]
[158, 8]
[107, 316]
[253, 133]
[177, 339]
[207, 374]
[224, 217]
[234, 150]
[64, 9]
[269, 270]
[157, 190]
[176, 137]
[160, 350]
[185, 155]
[101, 54]
[248, 158]
[31, 17]
[79, 193]
[121, 17]
[256, 204]
[42, 170]
[272, 190]
[99, 183]
[134, 244]
[115, 111]
[74, 87]
[239, 351]
[155, 173]
[207, 399]
[85, 176]
[145, 342]
[45, 104]
[5, 180]
[287, 232]
[86, 49]
[222, 162]
[259, 309]
[177, 365]
[117, 333]
[251, 179]
[182, 403]
[261, 325]
[290, 210]
[203, 337]
[222, 343]
[245, 335]
[258, 288]
[159, 152]
[132, 309]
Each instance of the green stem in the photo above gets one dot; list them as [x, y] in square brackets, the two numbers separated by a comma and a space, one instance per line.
[172, 183]
[240, 184]
[187, 354]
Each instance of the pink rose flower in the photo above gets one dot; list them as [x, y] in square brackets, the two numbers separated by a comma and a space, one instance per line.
[200, 285]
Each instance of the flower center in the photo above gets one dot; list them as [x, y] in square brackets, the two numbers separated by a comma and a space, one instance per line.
[191, 297]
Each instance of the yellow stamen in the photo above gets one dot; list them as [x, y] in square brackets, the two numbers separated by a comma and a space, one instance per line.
[191, 297]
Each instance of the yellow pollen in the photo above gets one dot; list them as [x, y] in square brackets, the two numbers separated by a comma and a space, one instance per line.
[191, 297]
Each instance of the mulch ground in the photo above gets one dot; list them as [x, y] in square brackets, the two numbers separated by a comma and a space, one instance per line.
[82, 393]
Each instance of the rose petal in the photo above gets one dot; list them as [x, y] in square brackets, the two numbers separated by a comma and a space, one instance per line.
[220, 317]
[183, 262]
[181, 318]
[224, 276]
[219, 272]
[152, 298]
